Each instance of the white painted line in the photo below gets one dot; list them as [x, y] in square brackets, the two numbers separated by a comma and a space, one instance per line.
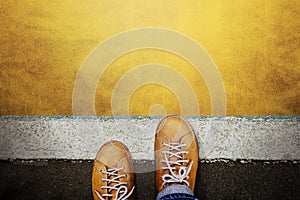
[79, 138]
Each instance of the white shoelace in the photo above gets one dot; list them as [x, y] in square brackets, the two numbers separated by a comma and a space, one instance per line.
[183, 172]
[120, 187]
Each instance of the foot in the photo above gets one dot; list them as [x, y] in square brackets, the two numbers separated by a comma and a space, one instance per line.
[112, 176]
[176, 153]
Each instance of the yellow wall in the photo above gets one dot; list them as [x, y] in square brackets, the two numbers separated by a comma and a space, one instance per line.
[254, 44]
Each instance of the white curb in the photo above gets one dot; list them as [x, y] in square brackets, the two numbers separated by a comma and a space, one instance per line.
[80, 138]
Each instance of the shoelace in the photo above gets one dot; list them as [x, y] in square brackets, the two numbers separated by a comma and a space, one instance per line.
[120, 187]
[183, 172]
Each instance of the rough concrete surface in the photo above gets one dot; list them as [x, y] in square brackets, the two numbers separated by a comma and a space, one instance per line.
[62, 179]
[80, 138]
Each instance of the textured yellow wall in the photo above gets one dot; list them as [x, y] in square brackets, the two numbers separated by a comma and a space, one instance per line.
[254, 43]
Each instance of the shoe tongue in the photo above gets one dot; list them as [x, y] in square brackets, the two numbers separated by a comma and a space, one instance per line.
[114, 157]
[173, 158]
[122, 163]
[113, 192]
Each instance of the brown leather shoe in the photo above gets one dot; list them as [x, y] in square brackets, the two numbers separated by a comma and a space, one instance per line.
[112, 176]
[176, 153]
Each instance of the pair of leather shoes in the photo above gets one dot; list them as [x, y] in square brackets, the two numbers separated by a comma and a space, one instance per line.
[176, 158]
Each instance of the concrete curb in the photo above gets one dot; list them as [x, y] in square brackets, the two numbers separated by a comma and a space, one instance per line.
[80, 138]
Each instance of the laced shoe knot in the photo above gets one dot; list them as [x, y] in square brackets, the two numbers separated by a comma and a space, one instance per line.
[114, 183]
[176, 175]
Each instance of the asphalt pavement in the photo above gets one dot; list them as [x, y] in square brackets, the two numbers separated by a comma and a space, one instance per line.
[67, 179]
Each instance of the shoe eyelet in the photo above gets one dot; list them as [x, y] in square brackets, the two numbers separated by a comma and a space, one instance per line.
[126, 175]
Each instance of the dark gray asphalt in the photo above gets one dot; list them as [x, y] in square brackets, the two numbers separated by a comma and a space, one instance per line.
[56, 179]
